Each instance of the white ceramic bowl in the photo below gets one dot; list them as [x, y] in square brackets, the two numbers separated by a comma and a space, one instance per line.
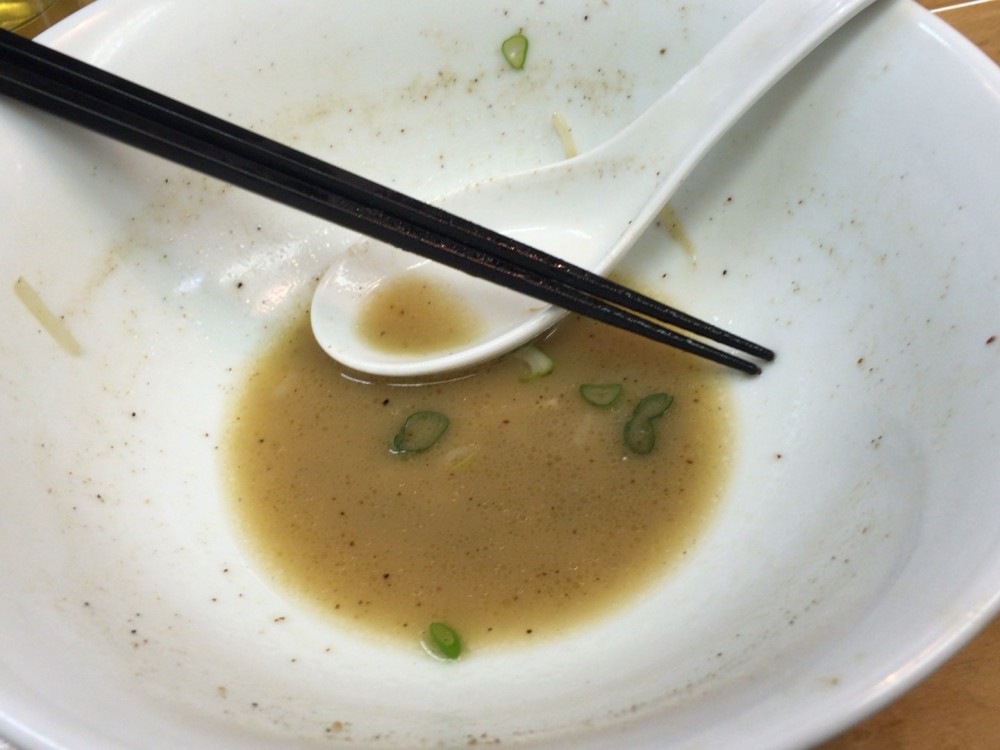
[849, 221]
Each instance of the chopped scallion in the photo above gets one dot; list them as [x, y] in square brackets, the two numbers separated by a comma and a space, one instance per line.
[539, 363]
[444, 640]
[652, 406]
[419, 432]
[515, 50]
[640, 433]
[601, 395]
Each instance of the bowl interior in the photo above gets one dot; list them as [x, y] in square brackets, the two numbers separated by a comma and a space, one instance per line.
[857, 544]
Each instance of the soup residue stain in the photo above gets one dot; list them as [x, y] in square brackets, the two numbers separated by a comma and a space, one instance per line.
[527, 517]
[416, 315]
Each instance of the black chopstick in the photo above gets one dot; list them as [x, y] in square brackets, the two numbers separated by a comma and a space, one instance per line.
[110, 105]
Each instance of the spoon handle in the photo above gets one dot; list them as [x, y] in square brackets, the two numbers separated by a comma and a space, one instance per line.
[663, 145]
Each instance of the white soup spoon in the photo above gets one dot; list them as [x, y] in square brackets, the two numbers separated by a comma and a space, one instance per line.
[588, 210]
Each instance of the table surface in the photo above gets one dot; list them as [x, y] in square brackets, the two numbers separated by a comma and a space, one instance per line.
[957, 707]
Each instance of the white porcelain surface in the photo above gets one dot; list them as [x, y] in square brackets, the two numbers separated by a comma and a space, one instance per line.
[849, 221]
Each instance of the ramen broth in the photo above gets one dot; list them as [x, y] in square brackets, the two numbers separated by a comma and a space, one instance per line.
[412, 314]
[528, 516]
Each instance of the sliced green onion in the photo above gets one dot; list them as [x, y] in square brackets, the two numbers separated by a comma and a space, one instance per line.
[539, 363]
[601, 395]
[652, 406]
[419, 432]
[444, 640]
[640, 433]
[515, 50]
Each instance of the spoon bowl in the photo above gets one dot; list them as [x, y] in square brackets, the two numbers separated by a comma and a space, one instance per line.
[587, 210]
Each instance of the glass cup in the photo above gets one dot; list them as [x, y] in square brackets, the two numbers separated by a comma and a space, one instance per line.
[16, 13]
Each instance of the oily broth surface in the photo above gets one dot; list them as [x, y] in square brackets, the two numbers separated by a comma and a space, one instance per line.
[528, 516]
[416, 315]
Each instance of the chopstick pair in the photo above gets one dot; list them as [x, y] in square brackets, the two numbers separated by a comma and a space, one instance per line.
[105, 103]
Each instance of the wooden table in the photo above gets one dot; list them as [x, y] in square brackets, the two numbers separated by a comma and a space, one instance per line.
[958, 707]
